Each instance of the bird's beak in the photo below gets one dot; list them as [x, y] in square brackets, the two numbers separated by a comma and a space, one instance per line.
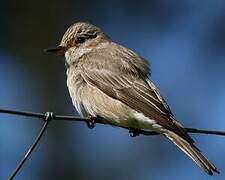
[59, 50]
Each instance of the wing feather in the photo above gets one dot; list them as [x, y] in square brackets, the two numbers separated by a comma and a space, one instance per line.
[130, 86]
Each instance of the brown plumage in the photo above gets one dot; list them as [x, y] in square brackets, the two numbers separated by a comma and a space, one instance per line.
[112, 82]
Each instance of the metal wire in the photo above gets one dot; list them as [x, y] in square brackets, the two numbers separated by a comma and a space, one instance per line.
[47, 117]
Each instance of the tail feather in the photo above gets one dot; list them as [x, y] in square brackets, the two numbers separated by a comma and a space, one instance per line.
[193, 152]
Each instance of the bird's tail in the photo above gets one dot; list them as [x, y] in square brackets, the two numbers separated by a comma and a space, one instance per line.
[192, 151]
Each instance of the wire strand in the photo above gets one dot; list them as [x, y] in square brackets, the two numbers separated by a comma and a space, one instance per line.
[48, 116]
[81, 119]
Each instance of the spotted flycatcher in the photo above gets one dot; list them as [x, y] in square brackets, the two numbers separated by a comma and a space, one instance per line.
[112, 82]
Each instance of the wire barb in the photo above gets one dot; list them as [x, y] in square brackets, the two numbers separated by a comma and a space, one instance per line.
[48, 116]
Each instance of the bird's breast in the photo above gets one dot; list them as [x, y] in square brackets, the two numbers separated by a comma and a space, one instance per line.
[76, 85]
[90, 101]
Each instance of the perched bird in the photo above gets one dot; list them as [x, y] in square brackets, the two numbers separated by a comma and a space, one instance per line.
[112, 82]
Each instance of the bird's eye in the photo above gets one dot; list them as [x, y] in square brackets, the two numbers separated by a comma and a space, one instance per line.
[80, 39]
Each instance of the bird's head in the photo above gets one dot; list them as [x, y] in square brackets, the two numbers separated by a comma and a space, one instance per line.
[78, 35]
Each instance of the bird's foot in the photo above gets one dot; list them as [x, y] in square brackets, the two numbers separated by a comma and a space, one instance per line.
[134, 132]
[91, 122]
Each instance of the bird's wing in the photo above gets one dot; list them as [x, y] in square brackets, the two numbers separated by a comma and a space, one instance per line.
[134, 90]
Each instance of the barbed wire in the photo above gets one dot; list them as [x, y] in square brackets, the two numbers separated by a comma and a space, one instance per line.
[49, 116]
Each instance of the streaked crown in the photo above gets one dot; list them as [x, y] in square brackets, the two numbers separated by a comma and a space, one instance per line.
[79, 33]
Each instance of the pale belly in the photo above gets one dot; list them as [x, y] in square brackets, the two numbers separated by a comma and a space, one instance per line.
[90, 101]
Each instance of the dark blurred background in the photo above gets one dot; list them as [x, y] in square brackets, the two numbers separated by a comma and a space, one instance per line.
[185, 41]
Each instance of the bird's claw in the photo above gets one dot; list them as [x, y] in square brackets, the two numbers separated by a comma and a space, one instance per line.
[91, 122]
[134, 132]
